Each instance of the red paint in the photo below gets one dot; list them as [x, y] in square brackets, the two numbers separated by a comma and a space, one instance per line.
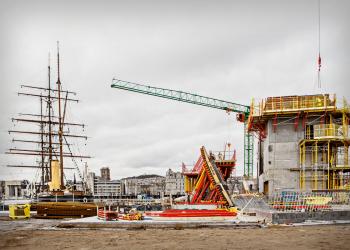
[191, 213]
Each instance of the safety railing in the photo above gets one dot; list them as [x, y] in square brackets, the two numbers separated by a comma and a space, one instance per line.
[293, 103]
[330, 131]
[290, 201]
[298, 102]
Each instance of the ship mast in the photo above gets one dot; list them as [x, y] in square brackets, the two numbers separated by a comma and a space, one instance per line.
[53, 142]
[60, 127]
[49, 119]
[42, 145]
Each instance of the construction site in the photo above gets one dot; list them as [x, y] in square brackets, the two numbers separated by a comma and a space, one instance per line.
[304, 143]
[278, 178]
[302, 171]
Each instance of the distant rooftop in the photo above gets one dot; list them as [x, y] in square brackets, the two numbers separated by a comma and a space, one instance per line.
[143, 176]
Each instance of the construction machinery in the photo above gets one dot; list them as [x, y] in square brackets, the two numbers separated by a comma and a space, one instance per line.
[243, 111]
[133, 214]
[206, 182]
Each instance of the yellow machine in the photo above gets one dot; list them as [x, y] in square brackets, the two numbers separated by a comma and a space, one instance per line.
[19, 211]
[133, 215]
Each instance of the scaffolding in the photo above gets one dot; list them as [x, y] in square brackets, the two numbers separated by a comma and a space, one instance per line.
[328, 167]
[327, 144]
[324, 149]
[292, 104]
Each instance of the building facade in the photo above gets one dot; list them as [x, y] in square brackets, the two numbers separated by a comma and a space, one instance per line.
[111, 188]
[146, 185]
[104, 187]
[16, 189]
[105, 173]
[174, 183]
[2, 190]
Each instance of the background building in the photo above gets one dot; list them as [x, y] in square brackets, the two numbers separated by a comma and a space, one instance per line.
[174, 183]
[111, 188]
[16, 189]
[103, 186]
[105, 173]
[235, 185]
[2, 189]
[147, 185]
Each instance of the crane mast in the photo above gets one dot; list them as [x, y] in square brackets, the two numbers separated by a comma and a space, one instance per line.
[242, 111]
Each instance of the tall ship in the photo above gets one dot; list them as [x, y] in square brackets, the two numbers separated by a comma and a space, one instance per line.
[52, 141]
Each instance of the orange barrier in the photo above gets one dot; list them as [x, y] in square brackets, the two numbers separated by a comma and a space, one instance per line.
[107, 215]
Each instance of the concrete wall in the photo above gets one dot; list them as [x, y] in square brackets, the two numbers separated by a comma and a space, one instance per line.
[281, 153]
[287, 218]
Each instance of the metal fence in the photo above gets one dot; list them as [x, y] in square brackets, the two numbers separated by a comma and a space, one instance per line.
[308, 201]
[251, 202]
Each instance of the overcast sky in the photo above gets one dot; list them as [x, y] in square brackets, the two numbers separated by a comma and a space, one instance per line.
[230, 50]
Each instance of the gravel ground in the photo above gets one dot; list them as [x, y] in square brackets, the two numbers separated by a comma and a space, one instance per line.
[42, 234]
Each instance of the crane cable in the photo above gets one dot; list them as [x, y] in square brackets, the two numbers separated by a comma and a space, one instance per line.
[319, 46]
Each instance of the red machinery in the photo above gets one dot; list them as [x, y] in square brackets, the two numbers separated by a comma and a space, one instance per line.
[206, 182]
[107, 215]
[186, 213]
[206, 188]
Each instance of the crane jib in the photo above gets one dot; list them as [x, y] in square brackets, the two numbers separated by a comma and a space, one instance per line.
[181, 96]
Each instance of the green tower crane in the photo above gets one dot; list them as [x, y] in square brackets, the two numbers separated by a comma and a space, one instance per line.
[242, 111]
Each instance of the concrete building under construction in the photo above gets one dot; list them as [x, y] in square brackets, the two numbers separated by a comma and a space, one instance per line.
[303, 143]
